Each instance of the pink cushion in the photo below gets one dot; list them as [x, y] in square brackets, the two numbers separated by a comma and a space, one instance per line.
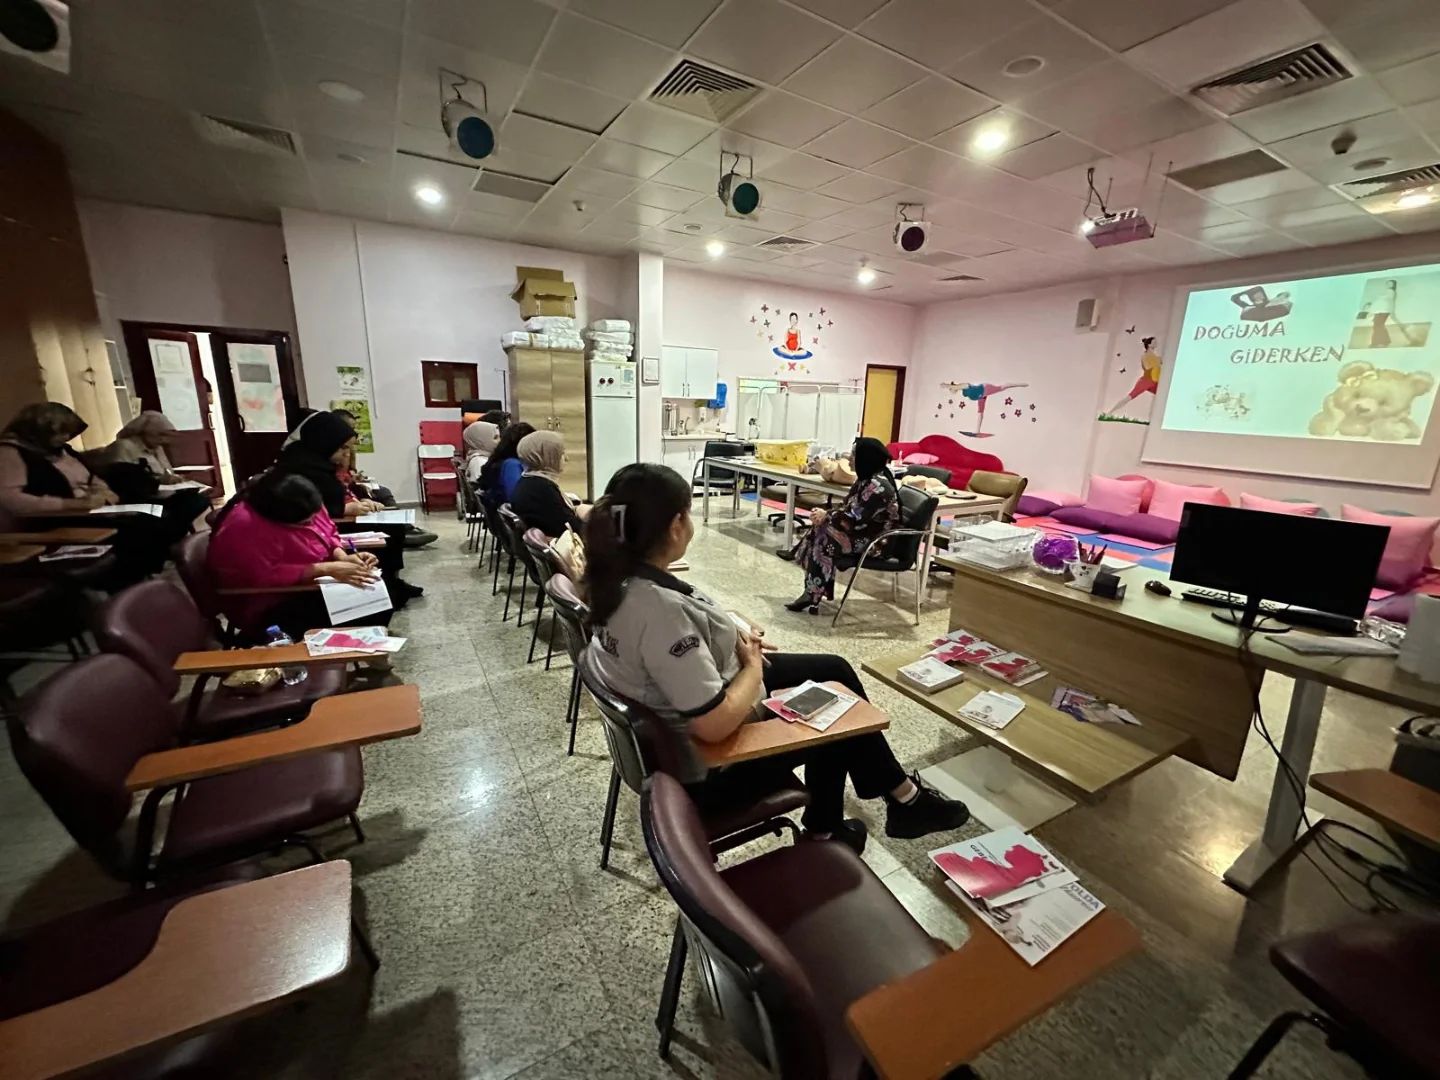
[1408, 549]
[918, 458]
[1148, 492]
[1276, 506]
[1169, 499]
[1111, 495]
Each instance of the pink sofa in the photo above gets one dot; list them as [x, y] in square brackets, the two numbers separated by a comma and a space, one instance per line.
[960, 460]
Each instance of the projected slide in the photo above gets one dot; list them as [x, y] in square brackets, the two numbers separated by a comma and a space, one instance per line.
[1351, 357]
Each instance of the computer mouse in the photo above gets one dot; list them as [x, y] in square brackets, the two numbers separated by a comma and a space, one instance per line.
[1158, 587]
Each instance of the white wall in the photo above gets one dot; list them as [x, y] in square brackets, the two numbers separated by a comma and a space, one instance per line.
[1029, 336]
[165, 266]
[389, 296]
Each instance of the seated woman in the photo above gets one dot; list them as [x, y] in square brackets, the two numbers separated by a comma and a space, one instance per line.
[871, 506]
[480, 439]
[502, 471]
[322, 449]
[41, 475]
[278, 535]
[139, 451]
[537, 497]
[661, 643]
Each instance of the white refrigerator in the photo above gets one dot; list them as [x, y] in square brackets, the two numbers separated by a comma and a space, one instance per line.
[614, 423]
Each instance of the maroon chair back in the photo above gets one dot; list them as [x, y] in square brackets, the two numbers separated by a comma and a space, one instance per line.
[152, 623]
[192, 562]
[638, 740]
[573, 611]
[754, 981]
[77, 736]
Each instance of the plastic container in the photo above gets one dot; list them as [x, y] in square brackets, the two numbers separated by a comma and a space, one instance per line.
[995, 545]
[291, 673]
[789, 453]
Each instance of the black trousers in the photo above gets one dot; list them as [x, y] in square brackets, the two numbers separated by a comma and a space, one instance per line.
[306, 611]
[391, 558]
[866, 759]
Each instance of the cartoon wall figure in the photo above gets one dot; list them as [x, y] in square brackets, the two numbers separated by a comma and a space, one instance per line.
[1147, 383]
[979, 393]
[794, 348]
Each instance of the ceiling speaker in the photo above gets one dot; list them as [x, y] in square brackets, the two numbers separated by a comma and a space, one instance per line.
[468, 128]
[741, 197]
[38, 30]
[910, 236]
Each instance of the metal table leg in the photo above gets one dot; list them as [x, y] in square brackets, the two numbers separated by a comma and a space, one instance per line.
[705, 490]
[789, 515]
[1282, 819]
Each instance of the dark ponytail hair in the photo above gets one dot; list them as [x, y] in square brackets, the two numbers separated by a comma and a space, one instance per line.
[625, 527]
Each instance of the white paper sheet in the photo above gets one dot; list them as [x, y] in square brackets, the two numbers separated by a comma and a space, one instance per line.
[389, 517]
[346, 603]
[1034, 928]
[822, 720]
[153, 509]
[184, 485]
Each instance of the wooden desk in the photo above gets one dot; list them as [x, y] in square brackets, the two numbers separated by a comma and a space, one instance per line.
[58, 536]
[219, 956]
[944, 1015]
[1166, 659]
[1084, 759]
[358, 719]
[11, 554]
[224, 661]
[1399, 804]
[766, 738]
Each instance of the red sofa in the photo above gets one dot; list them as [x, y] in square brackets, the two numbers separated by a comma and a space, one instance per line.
[958, 459]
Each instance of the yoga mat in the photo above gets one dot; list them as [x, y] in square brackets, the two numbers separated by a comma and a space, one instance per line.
[1050, 525]
[1161, 558]
[1381, 594]
[1143, 545]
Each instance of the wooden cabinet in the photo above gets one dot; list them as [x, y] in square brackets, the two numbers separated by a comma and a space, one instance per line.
[688, 373]
[548, 391]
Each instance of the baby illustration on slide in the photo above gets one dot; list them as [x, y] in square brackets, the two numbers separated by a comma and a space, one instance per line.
[1372, 403]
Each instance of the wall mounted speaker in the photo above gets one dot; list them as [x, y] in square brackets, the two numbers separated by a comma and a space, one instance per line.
[910, 236]
[1087, 314]
[468, 128]
[741, 197]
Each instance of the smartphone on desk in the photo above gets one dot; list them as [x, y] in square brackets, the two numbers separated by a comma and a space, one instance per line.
[807, 704]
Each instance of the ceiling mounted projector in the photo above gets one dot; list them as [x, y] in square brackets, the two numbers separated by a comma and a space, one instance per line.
[740, 195]
[469, 129]
[1121, 227]
[910, 234]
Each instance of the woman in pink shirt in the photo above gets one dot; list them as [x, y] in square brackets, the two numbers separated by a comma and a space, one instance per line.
[278, 535]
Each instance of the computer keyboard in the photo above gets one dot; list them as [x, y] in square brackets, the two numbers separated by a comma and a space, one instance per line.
[1314, 620]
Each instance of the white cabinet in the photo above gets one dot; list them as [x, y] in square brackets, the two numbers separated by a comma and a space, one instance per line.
[688, 373]
[681, 456]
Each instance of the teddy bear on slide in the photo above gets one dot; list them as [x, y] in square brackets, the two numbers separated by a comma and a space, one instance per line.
[1372, 403]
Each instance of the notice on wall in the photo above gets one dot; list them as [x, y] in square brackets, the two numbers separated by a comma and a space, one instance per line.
[353, 381]
[360, 409]
[175, 383]
[259, 398]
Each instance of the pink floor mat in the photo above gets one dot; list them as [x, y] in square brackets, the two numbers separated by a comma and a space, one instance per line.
[1130, 541]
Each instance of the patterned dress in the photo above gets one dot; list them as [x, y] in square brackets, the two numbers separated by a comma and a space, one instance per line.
[868, 510]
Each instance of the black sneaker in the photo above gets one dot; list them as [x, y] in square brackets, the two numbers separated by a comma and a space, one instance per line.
[928, 812]
[851, 833]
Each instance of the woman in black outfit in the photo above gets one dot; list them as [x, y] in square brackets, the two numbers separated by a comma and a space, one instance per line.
[537, 498]
[497, 480]
[322, 448]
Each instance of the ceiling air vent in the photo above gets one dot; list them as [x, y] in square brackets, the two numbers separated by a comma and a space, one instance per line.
[703, 91]
[1227, 170]
[787, 245]
[1392, 183]
[1280, 77]
[241, 135]
[962, 277]
[511, 187]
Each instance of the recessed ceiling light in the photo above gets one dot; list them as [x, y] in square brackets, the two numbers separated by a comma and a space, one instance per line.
[429, 194]
[692, 226]
[865, 275]
[1414, 199]
[990, 139]
[341, 91]
[1023, 65]
[714, 248]
[351, 159]
[1371, 164]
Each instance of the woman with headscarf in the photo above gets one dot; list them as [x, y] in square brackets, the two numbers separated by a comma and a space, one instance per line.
[871, 506]
[321, 450]
[136, 463]
[537, 498]
[480, 439]
[500, 474]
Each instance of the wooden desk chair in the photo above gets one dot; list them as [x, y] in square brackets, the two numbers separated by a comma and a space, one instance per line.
[895, 551]
[573, 612]
[153, 623]
[1375, 987]
[1002, 485]
[99, 732]
[785, 941]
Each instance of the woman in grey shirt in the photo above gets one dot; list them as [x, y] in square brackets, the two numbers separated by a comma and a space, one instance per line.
[663, 644]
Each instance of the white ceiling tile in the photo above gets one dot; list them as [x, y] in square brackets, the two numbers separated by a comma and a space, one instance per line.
[611, 228]
[857, 144]
[823, 231]
[866, 217]
[1298, 219]
[623, 158]
[602, 57]
[861, 187]
[1329, 105]
[785, 119]
[510, 29]
[453, 180]
[939, 32]
[535, 136]
[670, 22]
[693, 175]
[803, 171]
[1246, 246]
[420, 86]
[1235, 230]
[1370, 134]
[1273, 207]
[1415, 82]
[968, 245]
[1344, 231]
[1384, 35]
[852, 75]
[739, 232]
[656, 128]
[1112, 171]
[922, 167]
[762, 39]
[928, 108]
[1162, 120]
[587, 181]
[1177, 208]
[663, 197]
[774, 219]
[298, 31]
[1230, 38]
[1085, 102]
[362, 203]
[1426, 116]
[1409, 153]
[1064, 52]
[569, 103]
[1208, 143]
[847, 13]
[1044, 157]
[1122, 24]
[762, 154]
[495, 226]
[390, 13]
[1019, 130]
[1414, 221]
[516, 162]
[1260, 187]
[484, 204]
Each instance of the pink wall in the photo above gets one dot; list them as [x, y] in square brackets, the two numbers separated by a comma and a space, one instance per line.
[1029, 336]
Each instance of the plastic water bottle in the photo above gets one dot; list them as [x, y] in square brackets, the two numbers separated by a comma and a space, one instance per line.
[292, 673]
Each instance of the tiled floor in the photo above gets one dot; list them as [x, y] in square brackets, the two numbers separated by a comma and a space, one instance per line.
[508, 952]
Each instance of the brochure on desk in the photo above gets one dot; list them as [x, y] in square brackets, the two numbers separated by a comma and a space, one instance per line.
[1034, 928]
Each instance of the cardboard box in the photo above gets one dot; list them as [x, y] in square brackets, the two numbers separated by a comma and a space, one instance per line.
[523, 272]
[544, 296]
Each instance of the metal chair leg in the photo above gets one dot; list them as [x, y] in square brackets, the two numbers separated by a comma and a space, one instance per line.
[509, 588]
[572, 712]
[670, 992]
[524, 586]
[607, 827]
[359, 832]
[367, 950]
[495, 583]
[1268, 1040]
[917, 593]
[535, 628]
[848, 586]
[550, 639]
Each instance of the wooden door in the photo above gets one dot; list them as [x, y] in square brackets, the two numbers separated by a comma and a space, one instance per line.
[567, 389]
[169, 378]
[255, 384]
[884, 395]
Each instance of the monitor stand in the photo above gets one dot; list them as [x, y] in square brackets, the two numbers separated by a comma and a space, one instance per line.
[1248, 617]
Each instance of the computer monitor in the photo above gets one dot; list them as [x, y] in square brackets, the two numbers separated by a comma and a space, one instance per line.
[1294, 559]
